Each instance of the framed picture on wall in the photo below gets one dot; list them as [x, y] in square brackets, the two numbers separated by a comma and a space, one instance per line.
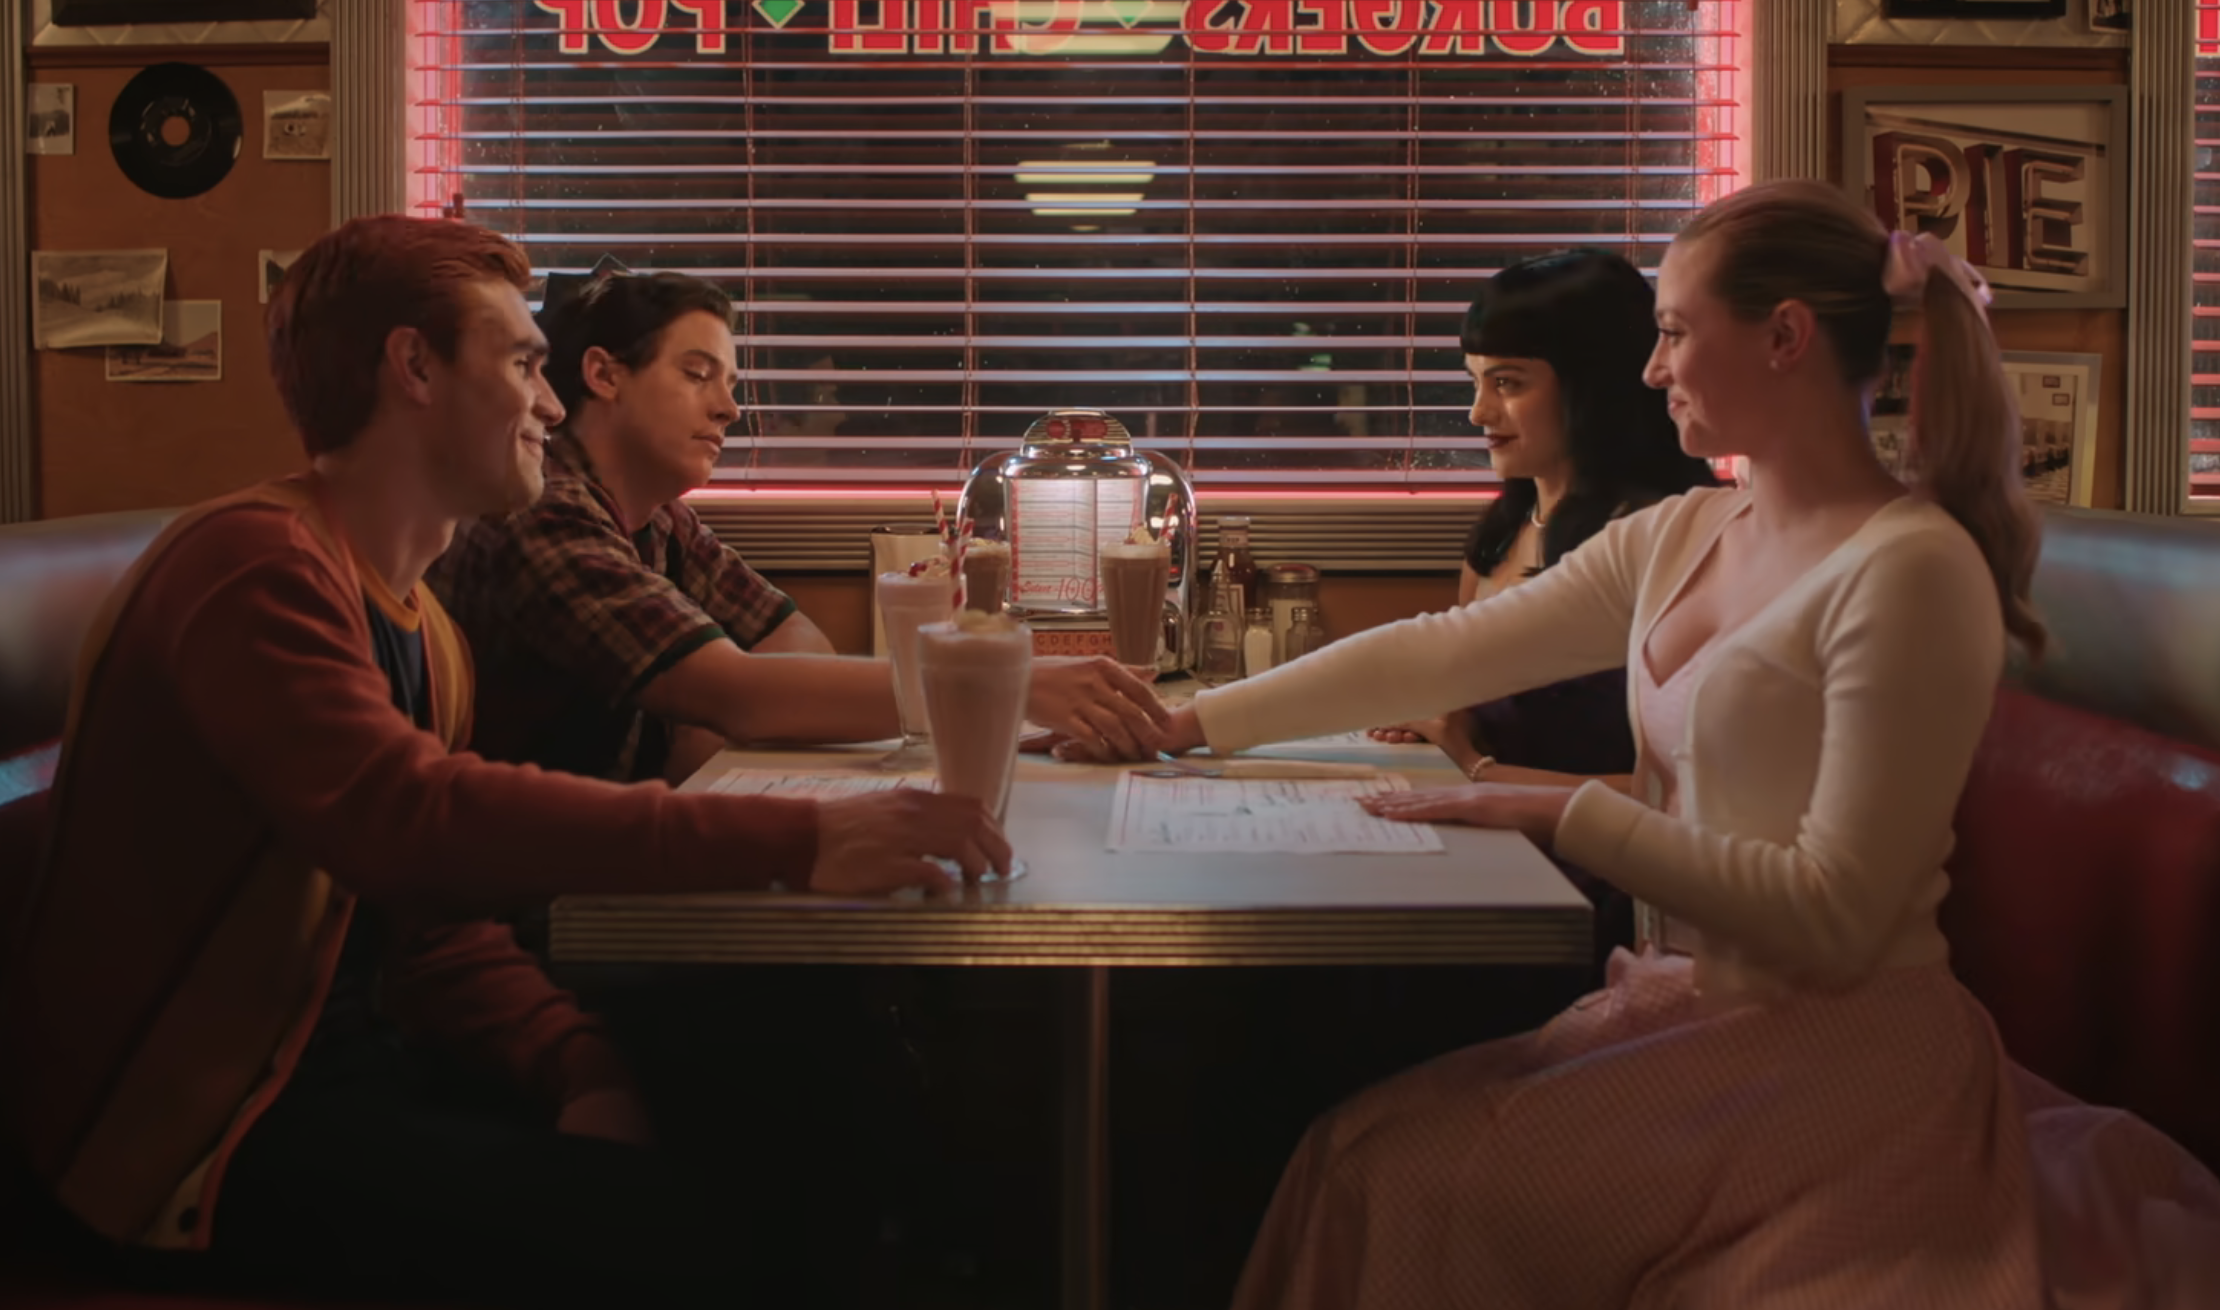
[2026, 183]
[105, 13]
[2111, 15]
[2058, 423]
[2058, 420]
[1973, 8]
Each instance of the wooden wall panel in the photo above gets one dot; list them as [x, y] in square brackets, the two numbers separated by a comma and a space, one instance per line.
[109, 446]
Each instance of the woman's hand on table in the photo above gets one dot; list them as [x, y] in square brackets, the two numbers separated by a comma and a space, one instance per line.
[1534, 811]
[1413, 733]
[1183, 730]
[1098, 704]
[888, 841]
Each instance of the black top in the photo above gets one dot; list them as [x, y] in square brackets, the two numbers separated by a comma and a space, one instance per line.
[400, 656]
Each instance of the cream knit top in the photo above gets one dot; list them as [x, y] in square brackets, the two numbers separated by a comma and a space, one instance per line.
[1826, 739]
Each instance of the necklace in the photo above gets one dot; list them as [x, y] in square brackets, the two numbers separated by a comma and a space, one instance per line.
[1534, 516]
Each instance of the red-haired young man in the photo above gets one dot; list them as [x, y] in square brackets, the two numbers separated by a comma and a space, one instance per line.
[259, 946]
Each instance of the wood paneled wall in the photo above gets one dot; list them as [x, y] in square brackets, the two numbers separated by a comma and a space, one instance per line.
[114, 445]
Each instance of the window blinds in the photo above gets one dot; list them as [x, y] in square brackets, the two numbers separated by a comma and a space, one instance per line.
[1247, 227]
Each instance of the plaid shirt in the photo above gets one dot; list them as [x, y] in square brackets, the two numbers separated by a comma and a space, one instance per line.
[569, 617]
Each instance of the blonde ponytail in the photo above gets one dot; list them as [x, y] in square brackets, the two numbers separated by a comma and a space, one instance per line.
[1964, 451]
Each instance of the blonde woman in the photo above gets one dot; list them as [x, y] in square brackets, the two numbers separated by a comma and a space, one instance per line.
[1786, 1098]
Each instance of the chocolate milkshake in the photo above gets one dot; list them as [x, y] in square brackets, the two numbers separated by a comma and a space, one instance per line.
[907, 603]
[976, 670]
[986, 575]
[1134, 578]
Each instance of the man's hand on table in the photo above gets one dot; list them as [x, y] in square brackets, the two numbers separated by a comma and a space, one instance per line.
[886, 841]
[1098, 704]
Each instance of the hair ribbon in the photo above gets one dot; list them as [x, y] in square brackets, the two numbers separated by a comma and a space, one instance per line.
[1913, 259]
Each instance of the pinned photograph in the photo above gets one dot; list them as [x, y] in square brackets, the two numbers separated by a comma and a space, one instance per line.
[272, 265]
[2111, 15]
[50, 124]
[191, 349]
[98, 297]
[296, 124]
[2057, 396]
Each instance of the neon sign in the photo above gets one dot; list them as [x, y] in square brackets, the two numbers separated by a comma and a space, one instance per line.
[1521, 29]
[2018, 206]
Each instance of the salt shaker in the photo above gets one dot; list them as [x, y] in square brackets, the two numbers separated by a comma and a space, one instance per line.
[1287, 586]
[1256, 643]
[1304, 634]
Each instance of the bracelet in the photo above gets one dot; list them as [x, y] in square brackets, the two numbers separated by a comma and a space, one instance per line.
[1479, 767]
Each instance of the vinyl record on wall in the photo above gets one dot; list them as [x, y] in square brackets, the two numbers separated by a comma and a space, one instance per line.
[175, 130]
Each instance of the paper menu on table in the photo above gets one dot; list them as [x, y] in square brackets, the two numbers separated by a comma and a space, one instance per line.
[1056, 527]
[1288, 816]
[812, 786]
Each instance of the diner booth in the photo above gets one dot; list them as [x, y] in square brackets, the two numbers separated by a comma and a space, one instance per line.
[1221, 249]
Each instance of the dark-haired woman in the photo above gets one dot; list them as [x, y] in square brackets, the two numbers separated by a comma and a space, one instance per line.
[1556, 347]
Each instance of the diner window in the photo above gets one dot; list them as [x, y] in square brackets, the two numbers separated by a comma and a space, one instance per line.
[2204, 413]
[1248, 228]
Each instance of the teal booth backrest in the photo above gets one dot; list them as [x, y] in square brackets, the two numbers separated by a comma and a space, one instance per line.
[53, 576]
[2133, 604]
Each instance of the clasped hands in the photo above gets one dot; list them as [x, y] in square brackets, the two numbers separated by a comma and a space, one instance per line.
[1098, 708]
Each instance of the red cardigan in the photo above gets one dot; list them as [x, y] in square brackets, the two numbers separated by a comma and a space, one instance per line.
[234, 777]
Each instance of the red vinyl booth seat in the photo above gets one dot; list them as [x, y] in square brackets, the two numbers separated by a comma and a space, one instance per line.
[2085, 909]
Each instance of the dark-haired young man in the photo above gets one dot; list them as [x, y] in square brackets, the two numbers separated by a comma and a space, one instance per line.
[616, 636]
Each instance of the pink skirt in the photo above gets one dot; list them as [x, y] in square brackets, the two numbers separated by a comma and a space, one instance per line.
[1649, 1148]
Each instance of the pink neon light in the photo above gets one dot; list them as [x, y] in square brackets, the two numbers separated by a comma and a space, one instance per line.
[925, 493]
[431, 160]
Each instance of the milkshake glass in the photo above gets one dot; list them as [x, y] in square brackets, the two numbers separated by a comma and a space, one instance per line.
[976, 670]
[1134, 579]
[906, 604]
[986, 575]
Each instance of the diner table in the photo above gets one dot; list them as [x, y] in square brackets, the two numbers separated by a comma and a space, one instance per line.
[1487, 898]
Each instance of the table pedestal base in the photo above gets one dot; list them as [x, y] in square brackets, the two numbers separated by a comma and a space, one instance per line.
[1086, 1220]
